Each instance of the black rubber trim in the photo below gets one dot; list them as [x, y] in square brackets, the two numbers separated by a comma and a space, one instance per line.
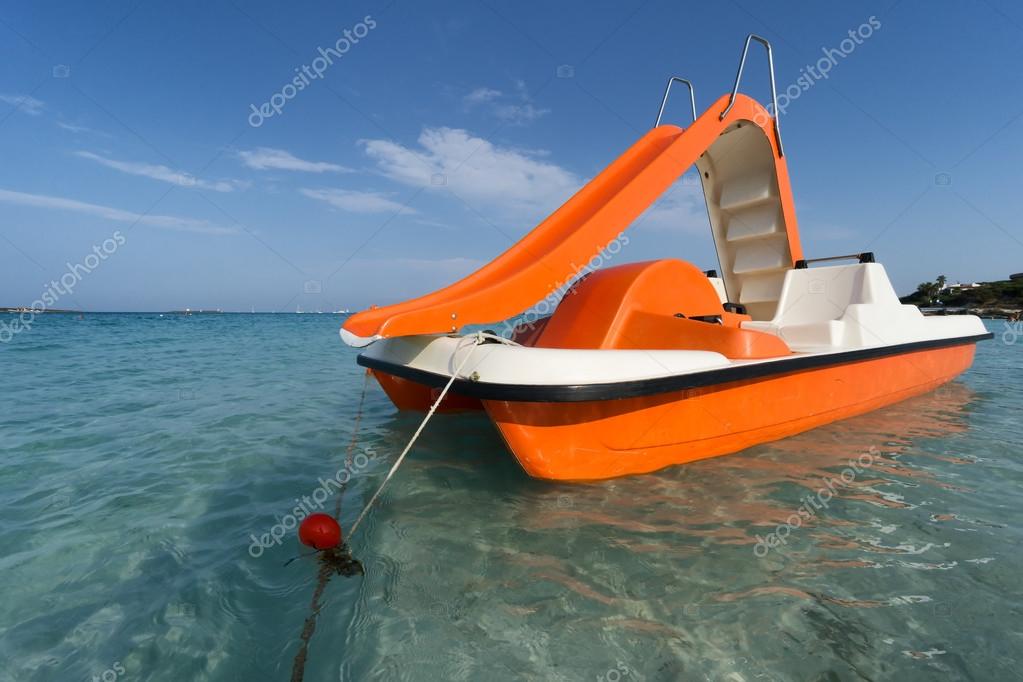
[633, 389]
[737, 308]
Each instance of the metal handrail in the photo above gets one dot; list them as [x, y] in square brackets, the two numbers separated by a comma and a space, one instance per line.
[664, 100]
[865, 257]
[774, 91]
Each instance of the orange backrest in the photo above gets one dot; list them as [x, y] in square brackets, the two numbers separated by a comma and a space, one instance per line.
[648, 306]
[649, 331]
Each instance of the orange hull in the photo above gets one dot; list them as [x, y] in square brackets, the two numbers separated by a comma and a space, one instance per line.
[606, 439]
[408, 395]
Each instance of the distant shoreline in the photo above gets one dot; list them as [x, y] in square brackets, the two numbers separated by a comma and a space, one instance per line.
[992, 313]
[37, 311]
[1001, 299]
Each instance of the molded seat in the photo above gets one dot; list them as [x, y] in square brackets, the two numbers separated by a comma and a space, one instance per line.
[648, 306]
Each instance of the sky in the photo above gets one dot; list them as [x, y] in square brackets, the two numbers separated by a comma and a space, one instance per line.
[211, 156]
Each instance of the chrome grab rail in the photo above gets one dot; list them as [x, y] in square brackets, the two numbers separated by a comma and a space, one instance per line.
[664, 100]
[865, 257]
[774, 91]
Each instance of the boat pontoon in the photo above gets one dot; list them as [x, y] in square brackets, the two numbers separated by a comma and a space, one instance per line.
[645, 365]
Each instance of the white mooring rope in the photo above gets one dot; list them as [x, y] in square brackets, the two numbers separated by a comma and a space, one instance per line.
[478, 339]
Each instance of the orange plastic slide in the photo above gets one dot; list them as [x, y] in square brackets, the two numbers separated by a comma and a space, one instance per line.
[550, 255]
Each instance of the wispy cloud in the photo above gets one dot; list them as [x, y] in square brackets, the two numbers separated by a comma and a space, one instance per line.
[511, 180]
[24, 103]
[356, 201]
[72, 128]
[163, 173]
[516, 108]
[480, 95]
[115, 214]
[79, 129]
[266, 158]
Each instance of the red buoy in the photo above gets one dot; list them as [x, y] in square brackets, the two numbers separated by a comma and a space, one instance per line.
[319, 531]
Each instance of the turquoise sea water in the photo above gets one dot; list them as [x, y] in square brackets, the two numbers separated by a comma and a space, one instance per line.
[139, 453]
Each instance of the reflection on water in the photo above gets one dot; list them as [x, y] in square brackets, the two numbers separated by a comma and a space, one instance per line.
[658, 572]
[128, 511]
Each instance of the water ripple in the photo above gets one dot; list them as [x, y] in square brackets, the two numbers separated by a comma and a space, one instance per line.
[135, 471]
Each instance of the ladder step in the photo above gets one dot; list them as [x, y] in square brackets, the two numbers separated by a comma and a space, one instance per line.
[758, 221]
[762, 254]
[747, 191]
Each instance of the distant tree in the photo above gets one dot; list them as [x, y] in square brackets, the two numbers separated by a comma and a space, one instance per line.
[928, 291]
[941, 282]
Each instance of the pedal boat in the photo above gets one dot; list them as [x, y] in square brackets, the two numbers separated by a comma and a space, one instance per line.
[645, 365]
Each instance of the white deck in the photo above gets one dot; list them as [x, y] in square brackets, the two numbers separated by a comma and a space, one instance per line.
[853, 306]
